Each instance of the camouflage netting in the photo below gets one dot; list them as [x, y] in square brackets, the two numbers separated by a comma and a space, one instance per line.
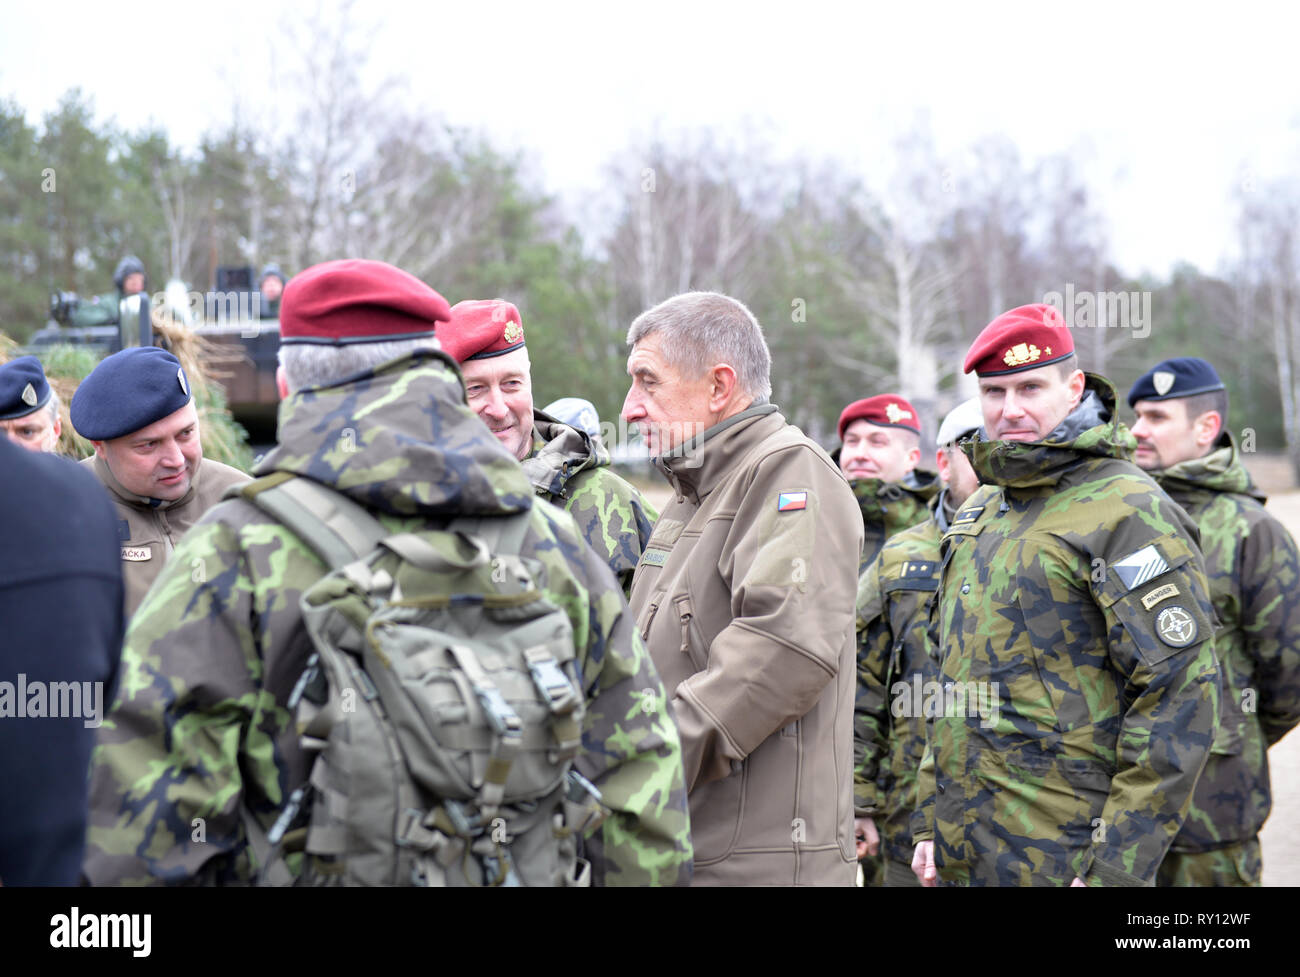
[66, 366]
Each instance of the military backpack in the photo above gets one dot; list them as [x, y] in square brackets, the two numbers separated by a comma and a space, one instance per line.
[440, 712]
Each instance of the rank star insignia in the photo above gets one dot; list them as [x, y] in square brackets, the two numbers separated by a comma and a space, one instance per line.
[896, 413]
[1176, 627]
[514, 332]
[1163, 381]
[1021, 353]
[29, 395]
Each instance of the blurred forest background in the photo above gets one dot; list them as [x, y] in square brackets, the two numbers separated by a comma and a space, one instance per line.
[859, 293]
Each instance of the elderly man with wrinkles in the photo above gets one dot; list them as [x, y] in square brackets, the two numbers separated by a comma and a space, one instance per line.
[745, 598]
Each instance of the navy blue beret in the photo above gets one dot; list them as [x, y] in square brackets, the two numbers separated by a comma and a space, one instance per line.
[23, 388]
[127, 391]
[1183, 376]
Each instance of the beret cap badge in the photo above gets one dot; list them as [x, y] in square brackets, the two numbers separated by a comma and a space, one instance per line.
[1021, 353]
[29, 396]
[1163, 381]
[514, 332]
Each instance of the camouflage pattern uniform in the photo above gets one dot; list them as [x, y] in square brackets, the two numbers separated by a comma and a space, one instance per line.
[890, 507]
[1073, 608]
[200, 728]
[1254, 573]
[572, 471]
[887, 509]
[895, 660]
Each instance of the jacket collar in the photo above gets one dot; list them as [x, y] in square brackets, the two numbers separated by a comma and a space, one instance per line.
[1219, 471]
[695, 467]
[1092, 430]
[400, 439]
[559, 453]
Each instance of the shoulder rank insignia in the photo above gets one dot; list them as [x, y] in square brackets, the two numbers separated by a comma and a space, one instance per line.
[1139, 567]
[791, 501]
[967, 515]
[919, 568]
[1176, 627]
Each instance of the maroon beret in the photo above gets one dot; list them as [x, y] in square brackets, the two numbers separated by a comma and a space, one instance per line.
[886, 410]
[354, 301]
[481, 328]
[1022, 339]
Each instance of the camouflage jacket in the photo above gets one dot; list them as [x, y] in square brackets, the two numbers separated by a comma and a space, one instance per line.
[890, 507]
[1254, 573]
[897, 668]
[572, 471]
[200, 735]
[1075, 633]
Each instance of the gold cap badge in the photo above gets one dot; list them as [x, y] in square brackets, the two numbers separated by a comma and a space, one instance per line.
[1021, 353]
[514, 332]
[896, 413]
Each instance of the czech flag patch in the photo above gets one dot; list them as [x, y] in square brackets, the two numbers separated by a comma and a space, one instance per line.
[791, 501]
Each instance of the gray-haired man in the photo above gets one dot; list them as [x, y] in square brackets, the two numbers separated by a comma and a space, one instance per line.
[745, 597]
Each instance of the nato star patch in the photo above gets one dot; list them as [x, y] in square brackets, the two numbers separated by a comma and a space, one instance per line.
[791, 501]
[1176, 627]
[1139, 567]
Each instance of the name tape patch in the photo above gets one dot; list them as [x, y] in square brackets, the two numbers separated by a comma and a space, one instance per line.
[137, 554]
[654, 558]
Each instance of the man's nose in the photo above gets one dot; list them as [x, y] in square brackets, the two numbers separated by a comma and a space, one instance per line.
[173, 457]
[1011, 407]
[632, 409]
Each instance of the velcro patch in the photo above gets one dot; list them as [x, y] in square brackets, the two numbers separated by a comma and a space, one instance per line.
[1140, 566]
[791, 501]
[654, 558]
[137, 554]
[1176, 627]
[1159, 594]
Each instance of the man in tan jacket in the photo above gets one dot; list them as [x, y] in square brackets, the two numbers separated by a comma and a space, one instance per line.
[137, 410]
[744, 596]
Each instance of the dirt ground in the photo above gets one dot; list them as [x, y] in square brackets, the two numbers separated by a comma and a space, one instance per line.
[1280, 837]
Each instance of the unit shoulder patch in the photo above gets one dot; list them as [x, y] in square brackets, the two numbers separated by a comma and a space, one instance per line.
[1176, 627]
[1140, 566]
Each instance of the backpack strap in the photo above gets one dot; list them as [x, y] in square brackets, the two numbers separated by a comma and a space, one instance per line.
[337, 529]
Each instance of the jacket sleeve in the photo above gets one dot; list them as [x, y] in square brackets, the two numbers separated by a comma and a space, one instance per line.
[1270, 617]
[1164, 649]
[871, 721]
[631, 750]
[190, 724]
[793, 581]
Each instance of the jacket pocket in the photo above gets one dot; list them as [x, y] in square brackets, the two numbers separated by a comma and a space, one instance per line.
[718, 813]
[692, 642]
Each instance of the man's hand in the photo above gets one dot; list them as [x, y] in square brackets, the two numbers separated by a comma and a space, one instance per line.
[868, 839]
[1078, 881]
[923, 864]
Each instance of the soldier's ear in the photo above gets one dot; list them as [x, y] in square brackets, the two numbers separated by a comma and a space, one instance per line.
[1077, 383]
[722, 385]
[99, 449]
[1207, 428]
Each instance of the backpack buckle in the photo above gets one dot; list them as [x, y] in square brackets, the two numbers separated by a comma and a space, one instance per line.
[551, 681]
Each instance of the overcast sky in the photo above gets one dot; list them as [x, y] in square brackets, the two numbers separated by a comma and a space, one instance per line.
[1169, 107]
